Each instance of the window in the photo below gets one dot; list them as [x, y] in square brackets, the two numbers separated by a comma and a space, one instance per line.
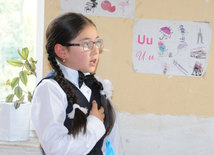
[18, 29]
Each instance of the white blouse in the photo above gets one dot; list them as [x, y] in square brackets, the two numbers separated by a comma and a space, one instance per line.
[49, 112]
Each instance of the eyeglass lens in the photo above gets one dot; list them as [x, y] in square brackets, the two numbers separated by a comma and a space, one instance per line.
[90, 45]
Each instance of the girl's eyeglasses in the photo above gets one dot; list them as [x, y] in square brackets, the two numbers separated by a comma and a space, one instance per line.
[87, 45]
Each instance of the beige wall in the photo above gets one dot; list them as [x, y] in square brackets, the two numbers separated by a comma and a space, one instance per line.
[148, 93]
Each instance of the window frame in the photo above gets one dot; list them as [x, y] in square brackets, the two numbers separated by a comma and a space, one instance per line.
[40, 39]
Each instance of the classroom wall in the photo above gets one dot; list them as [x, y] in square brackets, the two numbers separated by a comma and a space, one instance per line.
[150, 93]
[153, 103]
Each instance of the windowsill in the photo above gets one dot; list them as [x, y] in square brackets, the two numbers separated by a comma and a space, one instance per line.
[31, 146]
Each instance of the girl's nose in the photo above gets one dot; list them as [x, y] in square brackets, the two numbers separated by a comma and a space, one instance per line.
[95, 49]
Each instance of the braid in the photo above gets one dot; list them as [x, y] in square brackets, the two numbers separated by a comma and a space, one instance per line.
[64, 83]
[108, 110]
[80, 119]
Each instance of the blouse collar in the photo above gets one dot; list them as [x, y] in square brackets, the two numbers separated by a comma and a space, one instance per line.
[70, 74]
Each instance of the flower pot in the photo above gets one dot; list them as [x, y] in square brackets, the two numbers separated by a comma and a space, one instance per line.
[15, 123]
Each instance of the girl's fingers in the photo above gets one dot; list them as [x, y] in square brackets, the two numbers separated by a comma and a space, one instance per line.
[101, 109]
[94, 105]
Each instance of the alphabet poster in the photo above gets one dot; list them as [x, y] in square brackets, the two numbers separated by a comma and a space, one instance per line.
[111, 8]
[171, 47]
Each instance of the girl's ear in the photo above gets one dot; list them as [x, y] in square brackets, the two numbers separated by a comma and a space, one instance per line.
[60, 51]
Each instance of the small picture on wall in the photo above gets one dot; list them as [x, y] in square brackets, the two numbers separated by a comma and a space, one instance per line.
[111, 8]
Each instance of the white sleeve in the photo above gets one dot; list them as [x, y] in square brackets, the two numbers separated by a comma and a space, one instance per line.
[48, 114]
[115, 140]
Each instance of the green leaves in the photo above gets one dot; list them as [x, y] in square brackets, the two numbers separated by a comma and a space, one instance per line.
[16, 63]
[32, 60]
[16, 105]
[28, 67]
[24, 53]
[29, 96]
[14, 82]
[18, 91]
[9, 98]
[23, 77]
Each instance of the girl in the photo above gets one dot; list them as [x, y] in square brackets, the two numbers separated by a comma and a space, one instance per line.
[71, 109]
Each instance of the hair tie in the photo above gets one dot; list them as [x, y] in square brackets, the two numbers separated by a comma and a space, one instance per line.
[72, 113]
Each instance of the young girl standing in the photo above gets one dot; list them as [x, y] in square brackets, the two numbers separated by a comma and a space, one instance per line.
[71, 108]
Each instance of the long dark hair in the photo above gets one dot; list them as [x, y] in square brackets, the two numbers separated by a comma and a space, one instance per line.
[62, 30]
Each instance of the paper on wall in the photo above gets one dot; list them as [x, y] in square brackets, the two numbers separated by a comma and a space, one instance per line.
[171, 47]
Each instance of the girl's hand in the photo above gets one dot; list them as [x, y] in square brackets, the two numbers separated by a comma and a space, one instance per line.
[99, 113]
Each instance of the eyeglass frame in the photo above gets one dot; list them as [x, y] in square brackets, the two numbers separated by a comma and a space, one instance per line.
[82, 44]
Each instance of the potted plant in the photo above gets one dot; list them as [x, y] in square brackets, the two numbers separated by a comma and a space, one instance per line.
[15, 110]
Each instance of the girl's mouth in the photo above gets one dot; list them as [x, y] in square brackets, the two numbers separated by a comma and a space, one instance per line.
[93, 61]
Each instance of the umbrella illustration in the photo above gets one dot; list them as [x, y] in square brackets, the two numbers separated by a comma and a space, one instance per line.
[166, 32]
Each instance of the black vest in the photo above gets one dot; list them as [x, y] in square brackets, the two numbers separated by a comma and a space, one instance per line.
[83, 102]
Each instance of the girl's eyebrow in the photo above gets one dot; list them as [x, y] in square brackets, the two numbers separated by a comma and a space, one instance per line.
[87, 38]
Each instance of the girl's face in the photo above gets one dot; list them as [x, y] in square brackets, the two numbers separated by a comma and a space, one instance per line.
[83, 60]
